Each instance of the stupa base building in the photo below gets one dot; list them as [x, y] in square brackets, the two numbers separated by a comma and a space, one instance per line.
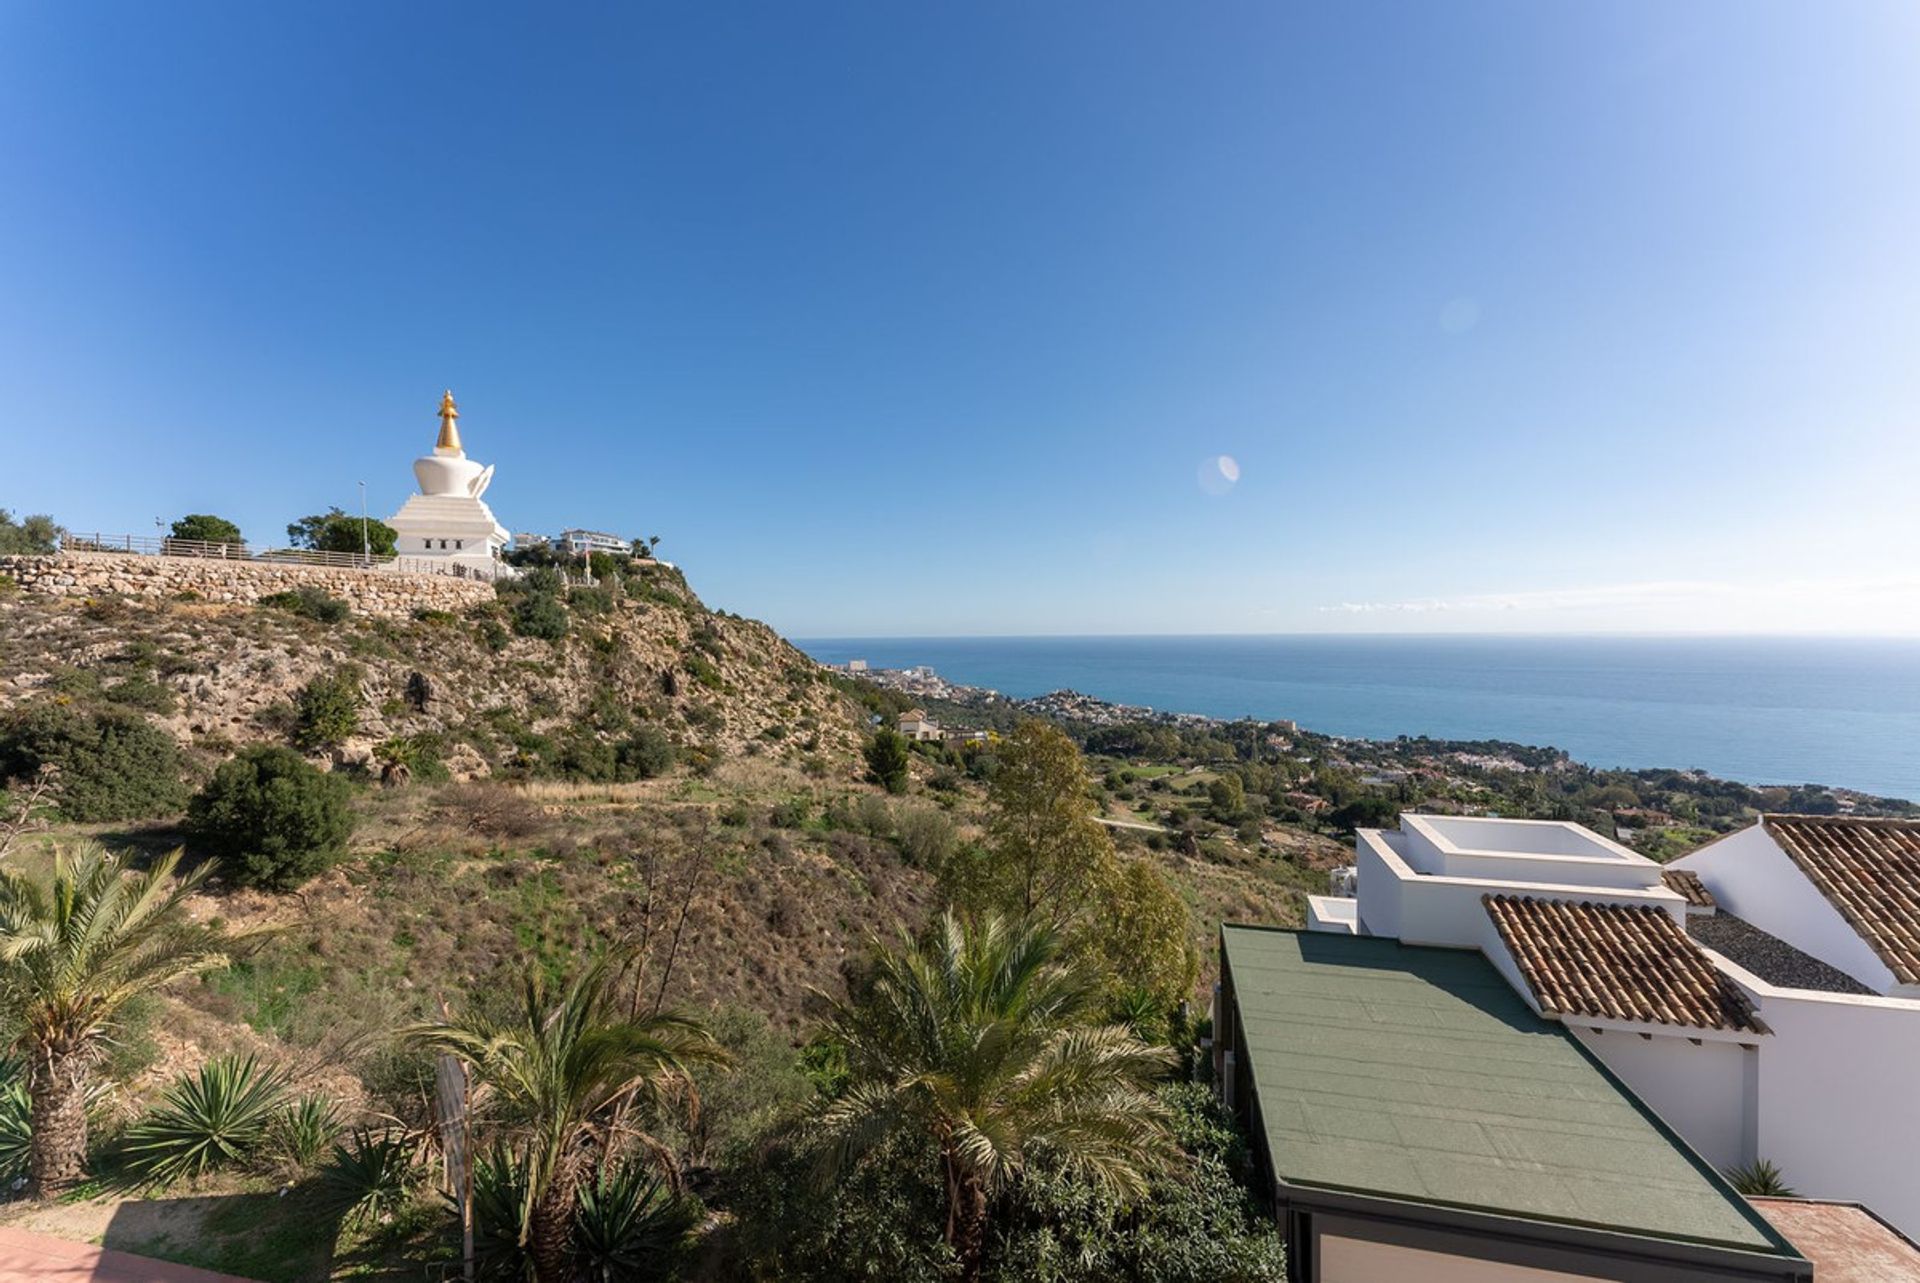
[448, 520]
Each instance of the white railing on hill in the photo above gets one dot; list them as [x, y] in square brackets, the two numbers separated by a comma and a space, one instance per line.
[167, 546]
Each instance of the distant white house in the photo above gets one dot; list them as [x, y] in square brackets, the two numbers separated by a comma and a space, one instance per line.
[1761, 994]
[916, 725]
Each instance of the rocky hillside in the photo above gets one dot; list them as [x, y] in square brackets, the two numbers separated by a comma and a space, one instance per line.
[464, 691]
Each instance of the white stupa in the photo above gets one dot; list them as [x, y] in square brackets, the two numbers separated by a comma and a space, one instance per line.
[447, 519]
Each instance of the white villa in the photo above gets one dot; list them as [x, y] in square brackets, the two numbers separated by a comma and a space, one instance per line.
[447, 519]
[1762, 994]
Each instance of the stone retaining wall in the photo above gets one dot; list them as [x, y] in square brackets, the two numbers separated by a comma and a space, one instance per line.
[371, 592]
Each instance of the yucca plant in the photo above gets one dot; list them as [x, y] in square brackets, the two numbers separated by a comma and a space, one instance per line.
[499, 1217]
[16, 1123]
[1760, 1179]
[372, 1175]
[306, 1127]
[629, 1221]
[212, 1119]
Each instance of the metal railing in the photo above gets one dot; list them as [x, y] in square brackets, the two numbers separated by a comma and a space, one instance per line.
[201, 549]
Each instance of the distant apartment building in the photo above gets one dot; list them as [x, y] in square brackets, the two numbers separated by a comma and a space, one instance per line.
[582, 542]
[1761, 994]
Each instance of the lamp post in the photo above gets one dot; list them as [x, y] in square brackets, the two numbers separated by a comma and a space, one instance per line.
[366, 545]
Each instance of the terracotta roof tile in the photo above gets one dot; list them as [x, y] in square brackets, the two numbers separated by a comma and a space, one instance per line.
[1617, 962]
[1688, 884]
[1870, 871]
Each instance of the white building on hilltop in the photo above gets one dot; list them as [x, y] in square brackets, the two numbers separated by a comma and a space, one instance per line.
[1762, 994]
[447, 518]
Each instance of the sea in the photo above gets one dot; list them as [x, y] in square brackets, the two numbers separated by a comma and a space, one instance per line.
[1761, 710]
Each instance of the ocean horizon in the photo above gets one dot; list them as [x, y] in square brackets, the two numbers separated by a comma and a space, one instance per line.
[1843, 712]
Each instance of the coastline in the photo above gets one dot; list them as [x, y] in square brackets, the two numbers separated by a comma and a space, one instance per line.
[1652, 721]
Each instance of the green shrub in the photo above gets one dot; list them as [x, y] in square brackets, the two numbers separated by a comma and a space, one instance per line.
[590, 601]
[703, 671]
[790, 814]
[113, 764]
[643, 755]
[327, 710]
[493, 634]
[207, 1121]
[585, 756]
[887, 760]
[926, 835]
[308, 602]
[274, 819]
[540, 616]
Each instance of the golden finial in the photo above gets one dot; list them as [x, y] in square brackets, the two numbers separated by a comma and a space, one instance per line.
[449, 434]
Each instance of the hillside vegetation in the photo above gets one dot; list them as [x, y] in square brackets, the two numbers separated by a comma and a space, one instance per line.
[569, 773]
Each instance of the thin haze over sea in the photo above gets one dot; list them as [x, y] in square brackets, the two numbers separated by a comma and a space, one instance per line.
[1763, 710]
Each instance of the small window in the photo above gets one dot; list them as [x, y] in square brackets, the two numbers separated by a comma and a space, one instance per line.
[456, 545]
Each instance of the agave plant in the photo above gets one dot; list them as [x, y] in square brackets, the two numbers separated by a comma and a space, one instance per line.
[372, 1175]
[1760, 1179]
[306, 1127]
[209, 1120]
[629, 1221]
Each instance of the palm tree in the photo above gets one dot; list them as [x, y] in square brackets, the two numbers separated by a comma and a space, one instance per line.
[75, 947]
[558, 1075]
[983, 1039]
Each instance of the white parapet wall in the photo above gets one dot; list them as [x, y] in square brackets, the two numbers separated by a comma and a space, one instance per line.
[1398, 900]
[376, 591]
[1839, 1094]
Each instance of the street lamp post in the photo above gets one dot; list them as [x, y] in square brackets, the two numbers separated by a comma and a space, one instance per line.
[366, 544]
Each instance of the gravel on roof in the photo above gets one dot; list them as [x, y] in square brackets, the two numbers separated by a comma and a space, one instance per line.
[1769, 957]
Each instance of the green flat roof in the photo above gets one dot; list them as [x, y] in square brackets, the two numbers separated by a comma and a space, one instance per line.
[1417, 1074]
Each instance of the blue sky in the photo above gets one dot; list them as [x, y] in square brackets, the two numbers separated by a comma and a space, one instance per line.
[918, 319]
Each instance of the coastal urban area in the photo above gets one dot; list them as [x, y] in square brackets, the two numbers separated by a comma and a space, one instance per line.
[410, 898]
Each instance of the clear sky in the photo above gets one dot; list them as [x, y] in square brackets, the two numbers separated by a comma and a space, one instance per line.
[921, 319]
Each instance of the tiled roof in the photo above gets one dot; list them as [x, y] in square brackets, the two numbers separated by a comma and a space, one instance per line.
[1870, 871]
[1688, 884]
[1617, 962]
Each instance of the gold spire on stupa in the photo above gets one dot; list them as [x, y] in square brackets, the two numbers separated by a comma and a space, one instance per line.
[449, 434]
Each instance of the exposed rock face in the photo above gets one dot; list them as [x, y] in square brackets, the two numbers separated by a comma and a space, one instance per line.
[234, 672]
[392, 595]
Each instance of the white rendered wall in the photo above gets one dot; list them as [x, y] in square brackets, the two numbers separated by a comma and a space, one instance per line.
[1753, 878]
[1701, 1092]
[1839, 1095]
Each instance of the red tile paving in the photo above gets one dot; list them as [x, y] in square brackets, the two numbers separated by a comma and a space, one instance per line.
[37, 1258]
[1846, 1242]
